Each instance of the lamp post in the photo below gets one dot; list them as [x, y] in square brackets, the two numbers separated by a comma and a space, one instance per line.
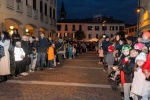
[138, 15]
[104, 25]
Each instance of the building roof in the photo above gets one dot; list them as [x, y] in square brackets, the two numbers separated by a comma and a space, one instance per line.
[109, 20]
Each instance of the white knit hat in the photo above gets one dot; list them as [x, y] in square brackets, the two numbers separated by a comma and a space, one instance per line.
[141, 56]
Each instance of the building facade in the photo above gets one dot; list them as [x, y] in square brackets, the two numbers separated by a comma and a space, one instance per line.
[92, 29]
[131, 30]
[28, 16]
[144, 18]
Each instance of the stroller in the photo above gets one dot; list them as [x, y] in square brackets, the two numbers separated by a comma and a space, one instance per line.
[114, 83]
[114, 78]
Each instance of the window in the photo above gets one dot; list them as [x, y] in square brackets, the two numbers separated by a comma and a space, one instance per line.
[104, 28]
[97, 36]
[90, 27]
[41, 6]
[53, 13]
[65, 34]
[50, 12]
[116, 28]
[111, 28]
[26, 2]
[80, 27]
[121, 28]
[96, 28]
[34, 4]
[89, 36]
[59, 27]
[46, 9]
[66, 28]
[73, 28]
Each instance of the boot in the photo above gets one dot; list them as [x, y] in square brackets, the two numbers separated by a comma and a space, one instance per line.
[5, 78]
[2, 79]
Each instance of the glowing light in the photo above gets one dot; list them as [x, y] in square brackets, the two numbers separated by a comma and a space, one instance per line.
[11, 27]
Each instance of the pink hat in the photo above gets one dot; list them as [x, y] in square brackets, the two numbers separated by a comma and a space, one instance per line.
[138, 46]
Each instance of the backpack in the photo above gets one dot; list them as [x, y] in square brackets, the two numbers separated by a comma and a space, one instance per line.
[2, 53]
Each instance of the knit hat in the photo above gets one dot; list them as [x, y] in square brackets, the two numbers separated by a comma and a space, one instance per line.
[17, 43]
[141, 56]
[146, 34]
[138, 46]
[126, 47]
[111, 48]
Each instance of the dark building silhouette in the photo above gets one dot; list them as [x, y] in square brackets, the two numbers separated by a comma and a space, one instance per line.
[63, 11]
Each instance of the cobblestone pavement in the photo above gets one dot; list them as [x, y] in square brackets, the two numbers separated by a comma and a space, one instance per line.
[79, 79]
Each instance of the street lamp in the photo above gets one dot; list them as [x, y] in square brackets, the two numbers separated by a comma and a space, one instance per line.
[104, 25]
[138, 15]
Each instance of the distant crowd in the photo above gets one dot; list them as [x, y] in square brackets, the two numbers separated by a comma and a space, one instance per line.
[21, 55]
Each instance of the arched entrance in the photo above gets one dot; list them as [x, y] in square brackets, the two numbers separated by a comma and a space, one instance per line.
[31, 30]
[45, 31]
[10, 24]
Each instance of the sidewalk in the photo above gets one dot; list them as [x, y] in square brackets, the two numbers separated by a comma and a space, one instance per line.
[80, 79]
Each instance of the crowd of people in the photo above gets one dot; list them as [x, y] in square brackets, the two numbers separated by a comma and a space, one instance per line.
[21, 55]
[129, 58]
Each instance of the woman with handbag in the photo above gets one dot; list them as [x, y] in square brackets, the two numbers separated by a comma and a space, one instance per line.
[5, 60]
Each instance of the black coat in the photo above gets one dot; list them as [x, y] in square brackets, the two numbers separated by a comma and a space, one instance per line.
[105, 46]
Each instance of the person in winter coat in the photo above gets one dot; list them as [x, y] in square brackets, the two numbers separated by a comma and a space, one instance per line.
[146, 71]
[128, 70]
[5, 60]
[122, 61]
[19, 54]
[101, 56]
[139, 82]
[105, 45]
[15, 37]
[60, 51]
[26, 59]
[110, 58]
[41, 52]
[50, 53]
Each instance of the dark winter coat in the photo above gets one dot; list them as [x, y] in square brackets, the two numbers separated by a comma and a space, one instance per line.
[128, 70]
[105, 46]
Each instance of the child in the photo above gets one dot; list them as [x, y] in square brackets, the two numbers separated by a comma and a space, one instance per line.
[122, 61]
[50, 53]
[128, 70]
[139, 47]
[19, 55]
[139, 82]
[110, 58]
[101, 55]
[70, 48]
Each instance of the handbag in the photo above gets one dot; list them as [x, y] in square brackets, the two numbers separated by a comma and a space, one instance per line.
[11, 48]
[2, 52]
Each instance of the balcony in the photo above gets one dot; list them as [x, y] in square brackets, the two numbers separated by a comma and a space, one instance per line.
[20, 7]
[35, 14]
[29, 11]
[10, 4]
[45, 19]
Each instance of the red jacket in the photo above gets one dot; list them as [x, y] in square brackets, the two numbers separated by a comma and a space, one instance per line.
[147, 64]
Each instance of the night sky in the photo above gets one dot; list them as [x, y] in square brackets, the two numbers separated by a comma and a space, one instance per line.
[124, 10]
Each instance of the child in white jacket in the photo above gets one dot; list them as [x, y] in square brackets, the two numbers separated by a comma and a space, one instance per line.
[139, 82]
[19, 55]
